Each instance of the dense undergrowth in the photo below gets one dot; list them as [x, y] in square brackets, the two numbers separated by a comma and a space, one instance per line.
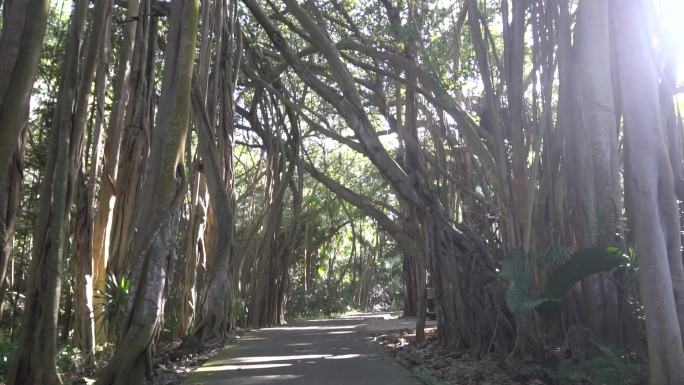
[434, 365]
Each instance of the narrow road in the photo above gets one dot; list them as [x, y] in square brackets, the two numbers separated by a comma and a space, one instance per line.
[330, 352]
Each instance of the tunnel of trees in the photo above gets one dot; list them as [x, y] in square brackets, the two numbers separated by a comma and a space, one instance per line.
[173, 170]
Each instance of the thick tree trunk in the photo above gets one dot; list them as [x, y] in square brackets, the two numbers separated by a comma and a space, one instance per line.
[213, 302]
[84, 187]
[135, 147]
[651, 198]
[106, 200]
[34, 362]
[157, 212]
[592, 157]
[21, 38]
[514, 51]
[20, 43]
[409, 282]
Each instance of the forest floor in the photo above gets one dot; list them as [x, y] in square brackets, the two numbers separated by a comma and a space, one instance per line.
[435, 365]
[172, 366]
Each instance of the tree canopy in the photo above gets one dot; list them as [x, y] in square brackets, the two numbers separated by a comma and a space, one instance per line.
[177, 170]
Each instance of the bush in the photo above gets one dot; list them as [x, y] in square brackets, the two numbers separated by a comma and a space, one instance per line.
[7, 350]
[607, 368]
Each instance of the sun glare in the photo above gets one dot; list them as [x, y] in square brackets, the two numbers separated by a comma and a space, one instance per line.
[671, 15]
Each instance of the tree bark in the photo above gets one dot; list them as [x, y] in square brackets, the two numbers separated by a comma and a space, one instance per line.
[35, 360]
[651, 197]
[23, 29]
[9, 202]
[596, 196]
[106, 199]
[84, 187]
[22, 34]
[214, 302]
[160, 197]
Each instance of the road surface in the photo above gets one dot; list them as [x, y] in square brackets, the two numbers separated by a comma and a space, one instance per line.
[328, 352]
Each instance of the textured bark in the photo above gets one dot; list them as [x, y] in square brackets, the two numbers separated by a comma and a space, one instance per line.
[135, 148]
[9, 202]
[82, 188]
[20, 43]
[34, 362]
[106, 199]
[594, 184]
[409, 283]
[214, 302]
[214, 296]
[651, 197]
[195, 252]
[84, 325]
[514, 51]
[160, 197]
[21, 38]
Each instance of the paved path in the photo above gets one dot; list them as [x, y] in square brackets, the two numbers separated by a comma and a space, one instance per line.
[331, 352]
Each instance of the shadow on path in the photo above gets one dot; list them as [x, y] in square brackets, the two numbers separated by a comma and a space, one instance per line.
[327, 352]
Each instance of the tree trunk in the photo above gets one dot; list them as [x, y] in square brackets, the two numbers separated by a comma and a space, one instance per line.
[135, 147]
[106, 200]
[157, 211]
[651, 198]
[213, 304]
[592, 158]
[34, 362]
[21, 39]
[9, 202]
[194, 253]
[410, 295]
[84, 187]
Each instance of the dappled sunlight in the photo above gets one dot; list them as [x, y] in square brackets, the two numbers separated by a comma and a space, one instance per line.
[250, 360]
[343, 332]
[250, 338]
[298, 328]
[345, 356]
[364, 316]
[254, 380]
[301, 344]
[217, 368]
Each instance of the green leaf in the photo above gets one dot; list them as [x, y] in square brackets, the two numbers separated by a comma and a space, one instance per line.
[520, 302]
[583, 263]
[519, 274]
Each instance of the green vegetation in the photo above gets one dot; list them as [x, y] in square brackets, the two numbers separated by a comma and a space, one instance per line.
[172, 172]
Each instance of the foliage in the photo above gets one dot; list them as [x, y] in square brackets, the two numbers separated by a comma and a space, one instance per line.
[70, 359]
[607, 368]
[583, 263]
[426, 377]
[7, 349]
[115, 299]
[519, 274]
